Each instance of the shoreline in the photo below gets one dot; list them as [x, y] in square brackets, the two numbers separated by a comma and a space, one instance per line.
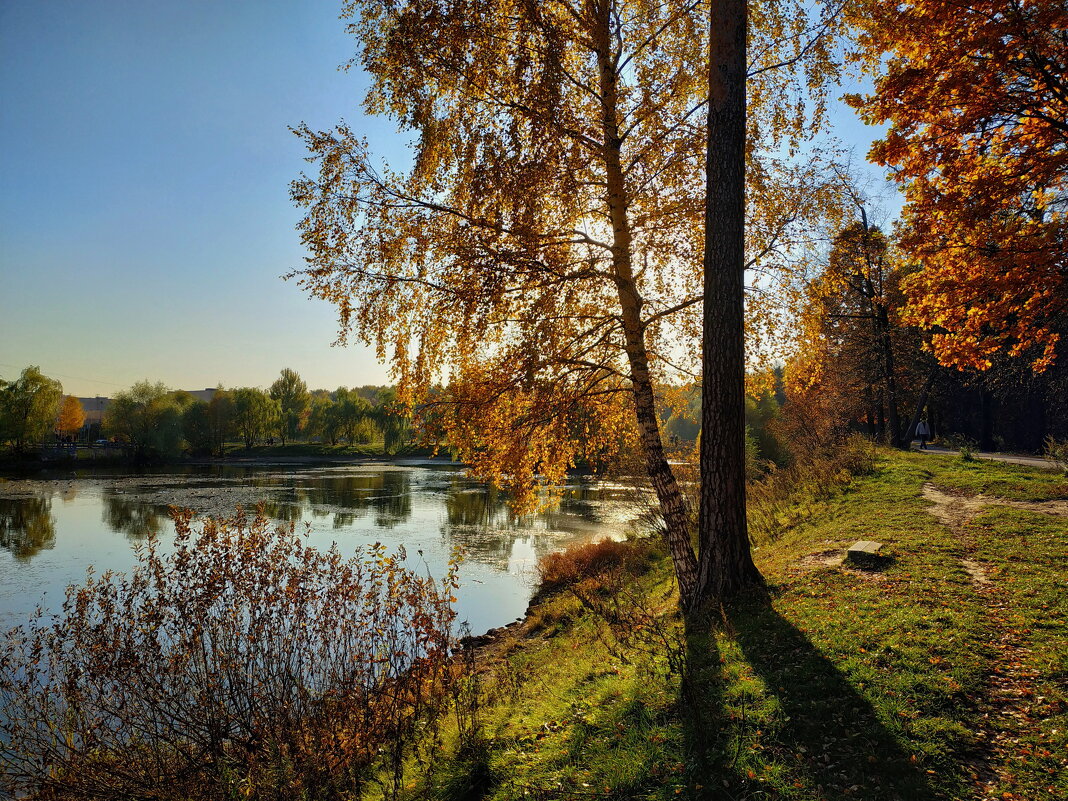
[37, 469]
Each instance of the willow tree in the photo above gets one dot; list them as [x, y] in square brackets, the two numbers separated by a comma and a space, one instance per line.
[543, 252]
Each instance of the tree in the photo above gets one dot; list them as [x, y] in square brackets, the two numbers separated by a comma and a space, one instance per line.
[292, 394]
[394, 420]
[322, 417]
[71, 416]
[352, 415]
[857, 298]
[977, 97]
[149, 417]
[543, 252]
[255, 414]
[208, 424]
[28, 408]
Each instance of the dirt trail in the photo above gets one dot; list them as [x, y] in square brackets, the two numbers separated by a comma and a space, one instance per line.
[956, 510]
[1010, 684]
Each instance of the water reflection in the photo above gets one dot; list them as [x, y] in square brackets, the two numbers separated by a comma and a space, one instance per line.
[131, 516]
[27, 526]
[479, 519]
[428, 510]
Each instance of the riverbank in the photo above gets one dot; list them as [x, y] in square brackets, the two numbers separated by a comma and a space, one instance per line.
[938, 675]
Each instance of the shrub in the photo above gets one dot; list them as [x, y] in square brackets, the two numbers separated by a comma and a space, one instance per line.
[245, 663]
[1056, 453]
[578, 563]
[782, 498]
[967, 446]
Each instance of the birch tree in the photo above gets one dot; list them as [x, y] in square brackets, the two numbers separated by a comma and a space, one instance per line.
[545, 254]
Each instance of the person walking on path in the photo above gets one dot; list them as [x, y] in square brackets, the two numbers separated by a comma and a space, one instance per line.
[923, 433]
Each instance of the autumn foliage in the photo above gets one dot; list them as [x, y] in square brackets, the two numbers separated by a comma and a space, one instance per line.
[71, 415]
[242, 664]
[977, 97]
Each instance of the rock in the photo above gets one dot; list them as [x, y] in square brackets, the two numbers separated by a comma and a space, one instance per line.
[865, 553]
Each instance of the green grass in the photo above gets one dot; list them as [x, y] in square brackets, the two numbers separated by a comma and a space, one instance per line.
[834, 684]
[983, 477]
[318, 449]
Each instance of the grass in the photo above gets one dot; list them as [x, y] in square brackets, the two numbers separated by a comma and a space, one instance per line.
[913, 682]
[319, 449]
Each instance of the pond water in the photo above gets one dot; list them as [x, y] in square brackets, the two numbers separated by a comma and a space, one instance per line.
[53, 528]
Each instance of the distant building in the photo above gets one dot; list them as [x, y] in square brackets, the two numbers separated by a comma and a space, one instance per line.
[94, 408]
[203, 394]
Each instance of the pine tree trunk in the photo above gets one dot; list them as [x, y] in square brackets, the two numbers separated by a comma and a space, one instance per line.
[726, 563]
[672, 503]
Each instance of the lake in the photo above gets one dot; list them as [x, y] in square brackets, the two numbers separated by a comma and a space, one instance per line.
[53, 527]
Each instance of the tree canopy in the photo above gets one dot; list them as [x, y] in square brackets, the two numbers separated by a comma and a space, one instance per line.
[544, 252]
[71, 416]
[976, 94]
[149, 417]
[291, 393]
[28, 407]
[254, 414]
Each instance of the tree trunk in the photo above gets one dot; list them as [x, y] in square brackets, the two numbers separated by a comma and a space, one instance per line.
[869, 398]
[925, 391]
[886, 346]
[726, 563]
[672, 503]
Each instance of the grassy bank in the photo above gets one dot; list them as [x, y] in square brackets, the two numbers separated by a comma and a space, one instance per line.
[942, 675]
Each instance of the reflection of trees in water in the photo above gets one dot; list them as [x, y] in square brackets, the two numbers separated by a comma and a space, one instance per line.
[388, 494]
[393, 504]
[281, 510]
[469, 504]
[130, 516]
[27, 526]
[479, 518]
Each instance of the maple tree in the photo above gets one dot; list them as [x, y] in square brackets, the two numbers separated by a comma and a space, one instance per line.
[545, 251]
[71, 416]
[976, 94]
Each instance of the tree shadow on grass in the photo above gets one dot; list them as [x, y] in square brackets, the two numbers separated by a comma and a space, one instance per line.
[829, 743]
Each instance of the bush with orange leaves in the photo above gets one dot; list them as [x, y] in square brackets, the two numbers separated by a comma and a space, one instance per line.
[603, 577]
[564, 569]
[242, 664]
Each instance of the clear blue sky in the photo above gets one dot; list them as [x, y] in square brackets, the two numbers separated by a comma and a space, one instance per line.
[145, 160]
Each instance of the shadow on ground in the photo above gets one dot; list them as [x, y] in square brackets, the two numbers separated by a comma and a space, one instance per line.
[827, 737]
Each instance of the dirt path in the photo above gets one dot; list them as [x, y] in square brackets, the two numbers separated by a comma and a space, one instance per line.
[1010, 683]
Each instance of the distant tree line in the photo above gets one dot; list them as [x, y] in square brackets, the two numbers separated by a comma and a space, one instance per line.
[158, 422]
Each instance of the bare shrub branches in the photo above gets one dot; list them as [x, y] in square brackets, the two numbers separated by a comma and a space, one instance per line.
[243, 663]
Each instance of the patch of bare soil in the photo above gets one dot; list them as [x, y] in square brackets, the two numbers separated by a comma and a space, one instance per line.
[831, 558]
[955, 510]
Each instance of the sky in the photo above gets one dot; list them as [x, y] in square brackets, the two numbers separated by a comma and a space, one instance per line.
[145, 162]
